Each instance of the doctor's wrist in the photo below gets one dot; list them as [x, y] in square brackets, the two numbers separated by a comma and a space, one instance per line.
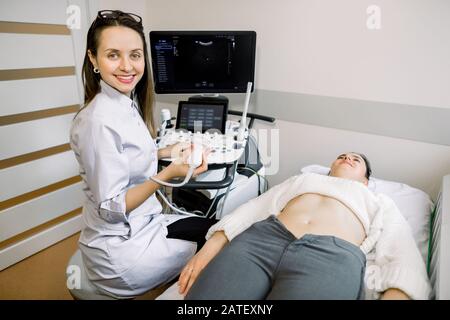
[163, 153]
[165, 174]
[160, 154]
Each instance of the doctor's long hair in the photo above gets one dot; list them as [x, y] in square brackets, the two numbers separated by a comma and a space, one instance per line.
[91, 80]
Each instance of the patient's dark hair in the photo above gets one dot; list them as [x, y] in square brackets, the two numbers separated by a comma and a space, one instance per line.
[366, 161]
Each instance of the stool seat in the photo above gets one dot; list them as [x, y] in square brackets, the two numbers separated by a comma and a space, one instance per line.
[81, 288]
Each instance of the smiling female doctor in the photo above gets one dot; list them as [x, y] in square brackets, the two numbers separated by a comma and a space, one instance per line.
[126, 241]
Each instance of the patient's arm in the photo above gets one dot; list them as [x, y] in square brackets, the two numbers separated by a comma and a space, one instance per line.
[230, 226]
[394, 294]
[198, 262]
[399, 261]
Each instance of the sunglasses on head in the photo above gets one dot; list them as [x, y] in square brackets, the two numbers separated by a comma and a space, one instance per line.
[115, 14]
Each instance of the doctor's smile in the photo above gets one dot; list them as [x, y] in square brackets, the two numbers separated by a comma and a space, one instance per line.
[125, 78]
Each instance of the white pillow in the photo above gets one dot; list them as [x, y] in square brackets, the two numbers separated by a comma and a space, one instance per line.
[414, 204]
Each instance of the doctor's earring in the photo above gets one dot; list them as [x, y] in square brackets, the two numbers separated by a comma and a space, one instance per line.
[96, 70]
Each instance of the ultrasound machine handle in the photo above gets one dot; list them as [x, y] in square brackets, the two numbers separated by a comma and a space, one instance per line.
[230, 170]
[252, 117]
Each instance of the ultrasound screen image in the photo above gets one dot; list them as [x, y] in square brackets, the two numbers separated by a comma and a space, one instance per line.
[202, 62]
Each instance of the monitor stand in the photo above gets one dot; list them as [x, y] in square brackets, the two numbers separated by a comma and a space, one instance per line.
[209, 98]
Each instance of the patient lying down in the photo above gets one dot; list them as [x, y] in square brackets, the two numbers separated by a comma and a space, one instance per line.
[309, 238]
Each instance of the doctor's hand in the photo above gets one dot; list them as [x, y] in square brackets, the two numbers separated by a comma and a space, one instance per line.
[179, 167]
[198, 262]
[173, 151]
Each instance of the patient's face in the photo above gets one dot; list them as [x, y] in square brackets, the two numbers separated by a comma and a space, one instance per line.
[349, 166]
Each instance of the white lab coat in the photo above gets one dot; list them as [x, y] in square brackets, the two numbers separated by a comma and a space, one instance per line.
[124, 254]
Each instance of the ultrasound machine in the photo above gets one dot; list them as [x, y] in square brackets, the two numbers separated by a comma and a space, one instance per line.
[209, 63]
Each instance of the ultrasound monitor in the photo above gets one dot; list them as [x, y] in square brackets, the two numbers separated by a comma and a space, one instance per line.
[202, 61]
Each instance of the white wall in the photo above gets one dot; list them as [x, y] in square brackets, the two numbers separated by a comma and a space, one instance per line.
[421, 165]
[40, 199]
[323, 47]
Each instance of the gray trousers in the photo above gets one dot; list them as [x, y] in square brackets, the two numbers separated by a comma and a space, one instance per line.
[267, 262]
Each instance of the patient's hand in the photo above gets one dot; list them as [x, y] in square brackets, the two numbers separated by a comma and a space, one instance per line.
[394, 294]
[193, 268]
